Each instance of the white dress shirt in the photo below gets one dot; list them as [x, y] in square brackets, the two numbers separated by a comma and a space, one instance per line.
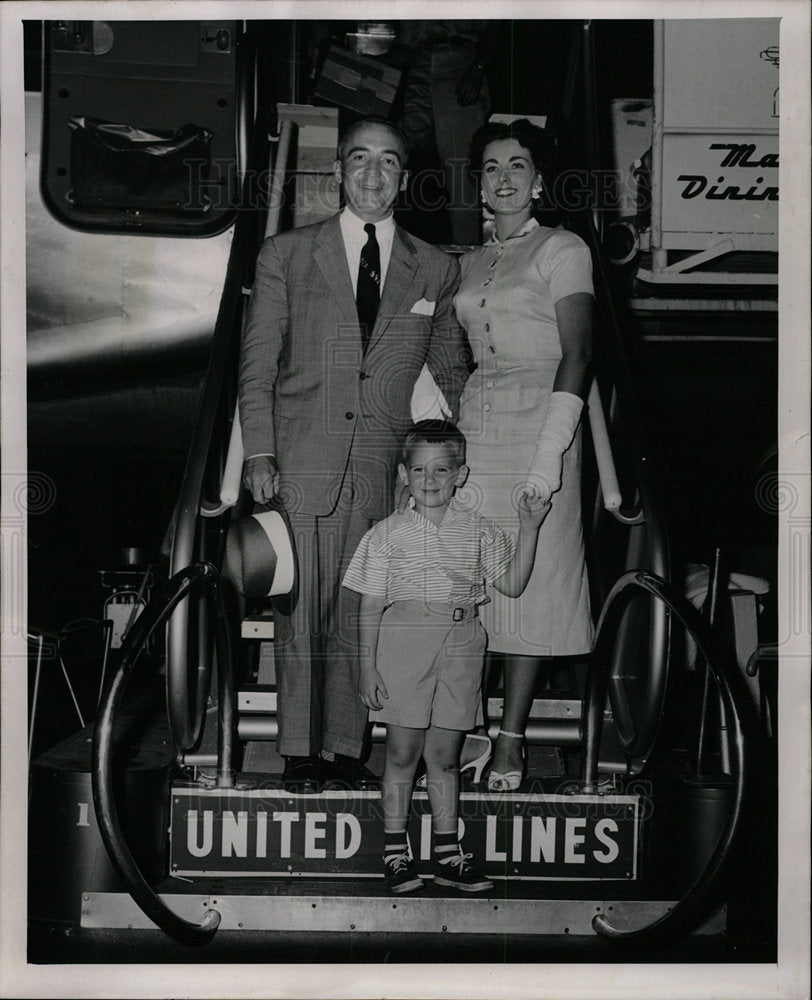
[352, 231]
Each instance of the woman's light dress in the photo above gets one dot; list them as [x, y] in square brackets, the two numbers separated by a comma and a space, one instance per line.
[506, 302]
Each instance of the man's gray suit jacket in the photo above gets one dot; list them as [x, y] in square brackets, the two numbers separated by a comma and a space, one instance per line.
[308, 393]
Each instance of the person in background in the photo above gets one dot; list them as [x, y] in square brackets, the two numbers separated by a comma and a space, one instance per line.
[526, 301]
[446, 97]
[343, 315]
[421, 575]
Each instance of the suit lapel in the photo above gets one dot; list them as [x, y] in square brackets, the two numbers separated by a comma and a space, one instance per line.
[331, 258]
[399, 276]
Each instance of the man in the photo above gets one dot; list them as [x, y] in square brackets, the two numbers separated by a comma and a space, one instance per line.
[342, 317]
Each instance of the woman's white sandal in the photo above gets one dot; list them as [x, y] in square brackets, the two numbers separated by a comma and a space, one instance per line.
[478, 764]
[510, 780]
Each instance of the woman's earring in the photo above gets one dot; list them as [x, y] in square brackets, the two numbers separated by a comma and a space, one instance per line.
[535, 195]
[483, 199]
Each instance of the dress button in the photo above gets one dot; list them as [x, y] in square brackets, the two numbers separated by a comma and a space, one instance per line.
[487, 328]
[491, 348]
[349, 415]
[486, 407]
[487, 281]
[363, 375]
[482, 303]
[489, 385]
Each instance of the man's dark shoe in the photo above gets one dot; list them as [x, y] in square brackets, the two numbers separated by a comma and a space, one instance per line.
[302, 775]
[349, 773]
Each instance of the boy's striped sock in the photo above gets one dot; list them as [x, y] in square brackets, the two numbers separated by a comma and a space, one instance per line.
[394, 843]
[445, 846]
[398, 866]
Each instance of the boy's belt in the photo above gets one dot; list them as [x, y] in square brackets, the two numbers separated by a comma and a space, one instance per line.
[442, 609]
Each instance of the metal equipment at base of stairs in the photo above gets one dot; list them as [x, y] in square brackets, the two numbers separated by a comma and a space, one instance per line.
[677, 920]
[156, 614]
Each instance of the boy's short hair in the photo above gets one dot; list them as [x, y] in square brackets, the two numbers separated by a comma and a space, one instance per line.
[434, 432]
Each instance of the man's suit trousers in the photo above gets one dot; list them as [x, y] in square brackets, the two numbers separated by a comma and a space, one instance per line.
[316, 648]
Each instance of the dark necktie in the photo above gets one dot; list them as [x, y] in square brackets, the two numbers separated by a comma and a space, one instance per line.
[368, 291]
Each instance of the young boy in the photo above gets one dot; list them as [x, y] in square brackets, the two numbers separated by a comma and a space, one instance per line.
[421, 575]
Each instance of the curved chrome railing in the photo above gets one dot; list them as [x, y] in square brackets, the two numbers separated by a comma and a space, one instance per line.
[103, 764]
[681, 917]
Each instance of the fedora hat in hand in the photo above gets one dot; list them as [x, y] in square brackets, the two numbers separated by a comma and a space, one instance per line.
[260, 557]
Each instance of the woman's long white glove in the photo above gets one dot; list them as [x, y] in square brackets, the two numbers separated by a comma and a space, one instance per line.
[560, 424]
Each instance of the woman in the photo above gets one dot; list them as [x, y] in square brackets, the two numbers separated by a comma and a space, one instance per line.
[526, 301]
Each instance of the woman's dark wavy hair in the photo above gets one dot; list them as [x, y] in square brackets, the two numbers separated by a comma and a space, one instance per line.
[538, 142]
[532, 138]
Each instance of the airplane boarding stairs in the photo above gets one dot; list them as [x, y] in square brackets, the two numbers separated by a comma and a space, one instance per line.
[200, 844]
[182, 822]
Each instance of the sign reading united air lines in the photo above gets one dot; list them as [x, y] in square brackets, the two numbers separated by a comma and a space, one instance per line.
[261, 831]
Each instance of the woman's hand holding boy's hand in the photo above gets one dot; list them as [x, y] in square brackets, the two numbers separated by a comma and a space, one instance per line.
[371, 688]
[539, 486]
[533, 509]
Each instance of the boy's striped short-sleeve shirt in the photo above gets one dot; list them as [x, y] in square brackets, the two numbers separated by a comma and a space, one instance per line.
[406, 557]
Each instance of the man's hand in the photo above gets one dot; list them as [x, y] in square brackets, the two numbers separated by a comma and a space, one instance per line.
[533, 510]
[260, 476]
[469, 87]
[371, 688]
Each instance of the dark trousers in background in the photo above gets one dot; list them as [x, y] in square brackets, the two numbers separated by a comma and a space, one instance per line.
[438, 127]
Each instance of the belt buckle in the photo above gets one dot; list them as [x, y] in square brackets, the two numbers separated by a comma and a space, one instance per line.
[458, 614]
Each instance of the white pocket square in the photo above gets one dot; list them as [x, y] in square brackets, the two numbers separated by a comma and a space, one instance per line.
[423, 308]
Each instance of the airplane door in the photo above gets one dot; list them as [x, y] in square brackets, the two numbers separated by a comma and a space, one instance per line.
[140, 125]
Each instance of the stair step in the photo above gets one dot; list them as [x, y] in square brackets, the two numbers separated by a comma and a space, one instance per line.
[261, 699]
[371, 910]
[552, 721]
[257, 627]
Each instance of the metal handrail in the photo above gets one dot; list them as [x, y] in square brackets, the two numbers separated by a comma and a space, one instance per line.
[680, 917]
[648, 546]
[602, 446]
[186, 720]
[103, 777]
[654, 556]
[232, 472]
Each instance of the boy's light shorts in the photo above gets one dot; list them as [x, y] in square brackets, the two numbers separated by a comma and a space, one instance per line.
[431, 666]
